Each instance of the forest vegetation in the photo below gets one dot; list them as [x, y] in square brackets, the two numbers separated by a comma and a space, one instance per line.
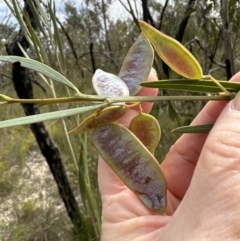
[62, 201]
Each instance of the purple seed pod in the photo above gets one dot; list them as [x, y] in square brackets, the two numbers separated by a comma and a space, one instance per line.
[133, 163]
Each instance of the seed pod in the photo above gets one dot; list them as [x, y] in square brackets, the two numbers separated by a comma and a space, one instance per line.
[147, 130]
[106, 84]
[137, 64]
[109, 114]
[133, 163]
[173, 53]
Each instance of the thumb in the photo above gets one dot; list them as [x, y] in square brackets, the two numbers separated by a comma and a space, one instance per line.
[217, 173]
[210, 207]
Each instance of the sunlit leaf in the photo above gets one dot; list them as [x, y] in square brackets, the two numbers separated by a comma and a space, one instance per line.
[137, 64]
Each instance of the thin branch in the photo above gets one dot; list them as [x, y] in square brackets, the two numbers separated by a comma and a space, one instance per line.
[131, 12]
[69, 40]
[202, 48]
[162, 14]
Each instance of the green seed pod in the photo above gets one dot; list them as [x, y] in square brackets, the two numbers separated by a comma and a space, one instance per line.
[133, 163]
[147, 130]
[137, 64]
[86, 125]
[109, 114]
[173, 53]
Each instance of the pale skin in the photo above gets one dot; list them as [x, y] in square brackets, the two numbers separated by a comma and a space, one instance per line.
[203, 180]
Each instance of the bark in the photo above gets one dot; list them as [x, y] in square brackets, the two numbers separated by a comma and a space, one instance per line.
[92, 58]
[147, 17]
[23, 87]
[130, 10]
[162, 14]
[227, 43]
[106, 29]
[181, 30]
[183, 23]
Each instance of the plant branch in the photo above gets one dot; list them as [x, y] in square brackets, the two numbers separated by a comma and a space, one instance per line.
[115, 99]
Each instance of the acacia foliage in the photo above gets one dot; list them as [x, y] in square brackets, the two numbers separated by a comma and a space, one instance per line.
[93, 39]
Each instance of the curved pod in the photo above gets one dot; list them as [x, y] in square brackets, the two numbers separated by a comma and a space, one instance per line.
[173, 53]
[133, 163]
[109, 114]
[147, 129]
[137, 64]
[106, 84]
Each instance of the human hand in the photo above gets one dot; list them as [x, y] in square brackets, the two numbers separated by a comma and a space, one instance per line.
[203, 178]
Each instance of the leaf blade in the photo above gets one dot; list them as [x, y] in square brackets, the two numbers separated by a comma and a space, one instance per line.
[41, 68]
[47, 116]
[193, 85]
[204, 128]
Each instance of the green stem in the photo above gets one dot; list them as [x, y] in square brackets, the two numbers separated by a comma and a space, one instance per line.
[217, 83]
[117, 99]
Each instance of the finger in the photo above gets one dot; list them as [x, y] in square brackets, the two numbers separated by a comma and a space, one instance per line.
[213, 196]
[146, 106]
[109, 182]
[180, 162]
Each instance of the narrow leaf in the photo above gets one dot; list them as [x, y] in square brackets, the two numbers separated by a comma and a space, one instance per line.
[17, 11]
[56, 35]
[41, 68]
[205, 128]
[194, 85]
[47, 116]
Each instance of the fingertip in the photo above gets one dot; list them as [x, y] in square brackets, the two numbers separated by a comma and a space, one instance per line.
[236, 77]
[146, 106]
[150, 91]
[152, 75]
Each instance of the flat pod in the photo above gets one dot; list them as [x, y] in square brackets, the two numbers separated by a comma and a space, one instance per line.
[133, 163]
[109, 114]
[86, 125]
[137, 64]
[173, 53]
[106, 84]
[147, 130]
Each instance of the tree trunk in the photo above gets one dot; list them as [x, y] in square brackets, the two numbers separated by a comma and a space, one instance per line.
[92, 57]
[227, 43]
[162, 14]
[24, 90]
[181, 29]
[147, 17]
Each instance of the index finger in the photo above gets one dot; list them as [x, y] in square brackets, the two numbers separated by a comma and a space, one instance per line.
[109, 182]
[146, 106]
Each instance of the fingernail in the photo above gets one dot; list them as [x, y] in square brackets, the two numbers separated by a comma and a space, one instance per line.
[236, 102]
[154, 71]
